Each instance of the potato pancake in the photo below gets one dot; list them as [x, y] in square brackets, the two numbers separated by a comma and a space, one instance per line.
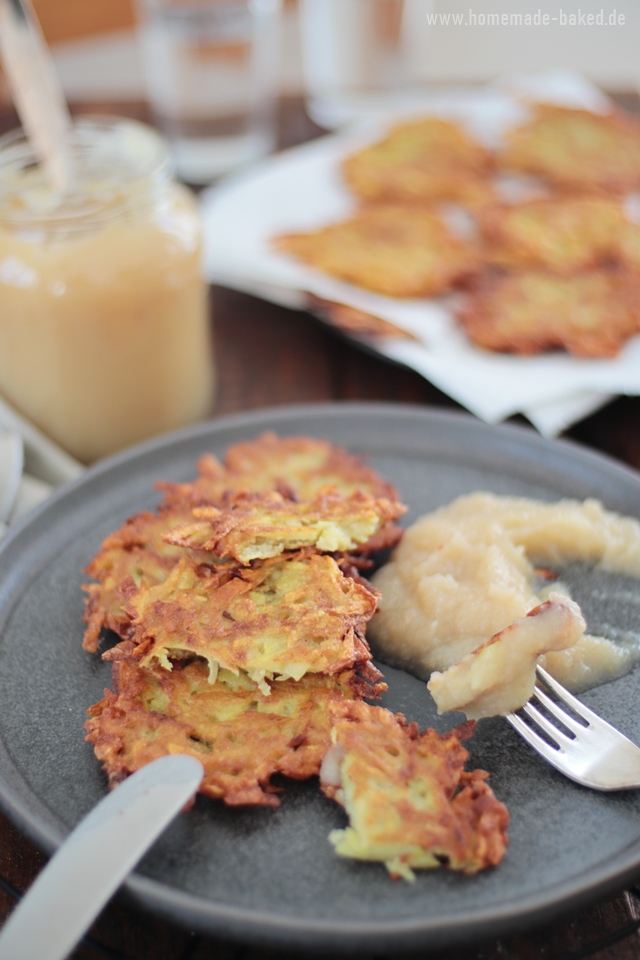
[425, 160]
[284, 617]
[259, 526]
[563, 234]
[577, 150]
[411, 804]
[395, 250]
[240, 736]
[630, 244]
[588, 314]
[137, 550]
[297, 467]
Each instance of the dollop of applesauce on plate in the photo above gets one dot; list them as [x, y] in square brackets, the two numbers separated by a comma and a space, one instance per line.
[464, 573]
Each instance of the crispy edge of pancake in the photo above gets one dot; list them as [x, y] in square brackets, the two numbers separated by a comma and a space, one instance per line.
[522, 151]
[410, 802]
[357, 323]
[294, 466]
[259, 526]
[410, 182]
[288, 616]
[135, 550]
[395, 249]
[490, 321]
[326, 463]
[241, 736]
[565, 235]
[429, 138]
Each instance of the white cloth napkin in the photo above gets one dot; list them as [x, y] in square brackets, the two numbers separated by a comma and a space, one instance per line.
[301, 189]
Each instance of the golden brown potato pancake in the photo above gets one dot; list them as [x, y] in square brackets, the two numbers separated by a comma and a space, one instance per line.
[561, 234]
[425, 160]
[394, 249]
[240, 736]
[135, 551]
[286, 617]
[589, 314]
[297, 467]
[630, 244]
[577, 150]
[410, 803]
[259, 526]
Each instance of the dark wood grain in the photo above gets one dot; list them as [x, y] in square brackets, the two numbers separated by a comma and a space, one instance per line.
[268, 355]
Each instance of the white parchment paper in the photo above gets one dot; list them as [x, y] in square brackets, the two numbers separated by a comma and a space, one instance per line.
[301, 189]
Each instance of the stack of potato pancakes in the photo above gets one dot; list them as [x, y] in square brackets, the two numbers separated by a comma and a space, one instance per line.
[241, 612]
[542, 234]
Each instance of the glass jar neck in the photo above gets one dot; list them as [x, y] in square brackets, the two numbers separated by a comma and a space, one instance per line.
[121, 169]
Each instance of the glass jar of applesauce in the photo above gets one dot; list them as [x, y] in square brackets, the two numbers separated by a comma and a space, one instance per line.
[104, 334]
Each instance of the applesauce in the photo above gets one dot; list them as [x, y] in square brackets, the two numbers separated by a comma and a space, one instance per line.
[104, 333]
[464, 573]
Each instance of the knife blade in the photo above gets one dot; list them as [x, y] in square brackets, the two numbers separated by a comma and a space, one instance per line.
[95, 858]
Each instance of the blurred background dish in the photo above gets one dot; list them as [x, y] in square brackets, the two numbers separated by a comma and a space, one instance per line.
[303, 190]
[206, 58]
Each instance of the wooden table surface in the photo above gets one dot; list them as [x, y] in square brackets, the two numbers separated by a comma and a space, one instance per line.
[267, 355]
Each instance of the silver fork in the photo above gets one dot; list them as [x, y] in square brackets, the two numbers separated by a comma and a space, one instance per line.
[593, 753]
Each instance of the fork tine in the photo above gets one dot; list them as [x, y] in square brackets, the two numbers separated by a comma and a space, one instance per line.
[576, 705]
[550, 754]
[556, 710]
[599, 757]
[541, 721]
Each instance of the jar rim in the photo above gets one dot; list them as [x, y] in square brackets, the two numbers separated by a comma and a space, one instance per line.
[130, 160]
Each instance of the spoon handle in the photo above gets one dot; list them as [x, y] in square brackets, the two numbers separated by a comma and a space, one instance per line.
[36, 89]
[95, 858]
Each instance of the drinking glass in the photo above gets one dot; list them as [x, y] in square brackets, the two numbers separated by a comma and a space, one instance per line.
[360, 55]
[211, 73]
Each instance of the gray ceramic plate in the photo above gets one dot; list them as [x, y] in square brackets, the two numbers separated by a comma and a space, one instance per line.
[271, 876]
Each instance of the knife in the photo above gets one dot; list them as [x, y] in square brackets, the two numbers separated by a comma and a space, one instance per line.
[95, 859]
